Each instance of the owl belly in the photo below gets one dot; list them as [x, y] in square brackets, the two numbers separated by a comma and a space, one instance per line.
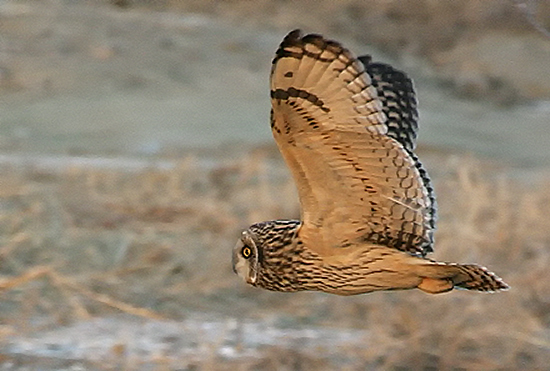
[372, 268]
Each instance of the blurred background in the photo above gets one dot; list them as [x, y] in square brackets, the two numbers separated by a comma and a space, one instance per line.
[135, 146]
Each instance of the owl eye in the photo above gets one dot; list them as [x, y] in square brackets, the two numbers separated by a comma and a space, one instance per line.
[246, 252]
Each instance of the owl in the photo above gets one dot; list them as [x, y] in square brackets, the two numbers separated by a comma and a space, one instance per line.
[346, 127]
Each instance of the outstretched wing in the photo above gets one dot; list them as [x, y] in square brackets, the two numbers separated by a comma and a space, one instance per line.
[356, 181]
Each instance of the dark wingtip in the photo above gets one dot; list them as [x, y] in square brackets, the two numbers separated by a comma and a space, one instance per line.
[502, 286]
[292, 38]
[365, 59]
[297, 38]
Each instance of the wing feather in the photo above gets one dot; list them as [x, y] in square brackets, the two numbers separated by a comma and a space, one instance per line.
[356, 183]
[396, 91]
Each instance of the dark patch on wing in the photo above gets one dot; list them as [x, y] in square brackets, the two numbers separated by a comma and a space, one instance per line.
[283, 94]
[432, 211]
[404, 241]
[396, 92]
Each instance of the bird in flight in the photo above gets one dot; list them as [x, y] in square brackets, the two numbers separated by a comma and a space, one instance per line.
[347, 128]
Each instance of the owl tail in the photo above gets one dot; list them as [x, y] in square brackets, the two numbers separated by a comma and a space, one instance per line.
[442, 277]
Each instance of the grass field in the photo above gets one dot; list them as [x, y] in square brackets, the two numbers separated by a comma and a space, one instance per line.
[86, 243]
[125, 264]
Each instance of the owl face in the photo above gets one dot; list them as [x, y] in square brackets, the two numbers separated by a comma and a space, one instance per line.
[246, 257]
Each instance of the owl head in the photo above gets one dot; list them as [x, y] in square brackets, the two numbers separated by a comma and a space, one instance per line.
[263, 256]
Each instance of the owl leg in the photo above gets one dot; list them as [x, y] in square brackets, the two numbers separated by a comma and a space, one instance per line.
[435, 285]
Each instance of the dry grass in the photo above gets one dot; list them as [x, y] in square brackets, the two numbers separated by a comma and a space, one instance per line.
[83, 243]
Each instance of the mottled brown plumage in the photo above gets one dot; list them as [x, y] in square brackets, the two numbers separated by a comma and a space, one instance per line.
[347, 129]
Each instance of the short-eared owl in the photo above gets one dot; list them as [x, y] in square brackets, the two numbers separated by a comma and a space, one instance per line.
[346, 128]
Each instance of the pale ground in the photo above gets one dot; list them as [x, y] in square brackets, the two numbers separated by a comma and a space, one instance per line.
[134, 147]
[82, 79]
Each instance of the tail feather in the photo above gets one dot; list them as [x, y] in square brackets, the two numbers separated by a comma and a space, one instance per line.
[443, 277]
[475, 277]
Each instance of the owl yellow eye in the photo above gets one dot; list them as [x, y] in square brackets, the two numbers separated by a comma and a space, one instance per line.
[246, 252]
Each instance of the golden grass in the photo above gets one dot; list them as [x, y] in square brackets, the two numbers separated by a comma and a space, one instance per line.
[83, 243]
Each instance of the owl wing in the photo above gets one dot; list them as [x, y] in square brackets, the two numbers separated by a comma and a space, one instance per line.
[396, 92]
[357, 180]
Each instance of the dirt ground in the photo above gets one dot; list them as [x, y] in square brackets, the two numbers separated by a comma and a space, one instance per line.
[497, 50]
[115, 252]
